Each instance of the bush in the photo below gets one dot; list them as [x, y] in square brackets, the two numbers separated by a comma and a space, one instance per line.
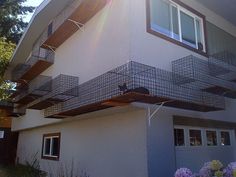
[210, 169]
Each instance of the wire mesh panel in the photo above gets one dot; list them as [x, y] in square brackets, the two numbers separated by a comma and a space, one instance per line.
[225, 60]
[18, 71]
[202, 76]
[63, 88]
[33, 66]
[134, 82]
[36, 89]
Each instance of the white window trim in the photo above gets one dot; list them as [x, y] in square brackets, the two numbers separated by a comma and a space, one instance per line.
[44, 146]
[195, 17]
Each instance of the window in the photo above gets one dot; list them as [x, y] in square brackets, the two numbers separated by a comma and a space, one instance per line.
[185, 136]
[195, 137]
[225, 138]
[179, 137]
[1, 134]
[178, 23]
[211, 138]
[51, 146]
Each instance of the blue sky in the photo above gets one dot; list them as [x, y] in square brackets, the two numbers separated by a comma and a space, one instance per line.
[31, 3]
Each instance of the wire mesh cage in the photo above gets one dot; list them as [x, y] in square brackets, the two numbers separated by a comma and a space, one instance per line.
[18, 71]
[33, 65]
[63, 87]
[203, 76]
[36, 89]
[134, 82]
[225, 60]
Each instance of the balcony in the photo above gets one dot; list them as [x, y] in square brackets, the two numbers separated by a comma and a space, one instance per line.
[70, 20]
[36, 88]
[33, 67]
[63, 87]
[134, 82]
[204, 76]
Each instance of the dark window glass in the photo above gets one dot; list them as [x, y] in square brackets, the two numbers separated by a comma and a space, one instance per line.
[195, 137]
[55, 146]
[225, 138]
[179, 137]
[47, 146]
[164, 18]
[211, 138]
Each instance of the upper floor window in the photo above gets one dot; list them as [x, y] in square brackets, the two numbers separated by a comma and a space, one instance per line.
[51, 146]
[170, 20]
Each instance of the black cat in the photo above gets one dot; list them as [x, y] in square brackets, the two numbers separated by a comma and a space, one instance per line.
[123, 88]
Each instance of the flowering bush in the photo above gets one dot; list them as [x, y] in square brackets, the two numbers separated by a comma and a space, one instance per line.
[230, 170]
[183, 172]
[210, 169]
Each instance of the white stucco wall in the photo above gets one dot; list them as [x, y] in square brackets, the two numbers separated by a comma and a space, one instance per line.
[102, 146]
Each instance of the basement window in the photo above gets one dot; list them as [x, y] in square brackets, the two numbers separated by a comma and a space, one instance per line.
[1, 134]
[225, 138]
[211, 138]
[51, 146]
[195, 137]
[177, 23]
[179, 137]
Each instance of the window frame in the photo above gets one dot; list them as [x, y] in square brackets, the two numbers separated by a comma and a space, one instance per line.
[184, 8]
[51, 136]
[203, 136]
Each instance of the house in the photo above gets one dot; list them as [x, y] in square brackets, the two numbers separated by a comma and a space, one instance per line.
[126, 87]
